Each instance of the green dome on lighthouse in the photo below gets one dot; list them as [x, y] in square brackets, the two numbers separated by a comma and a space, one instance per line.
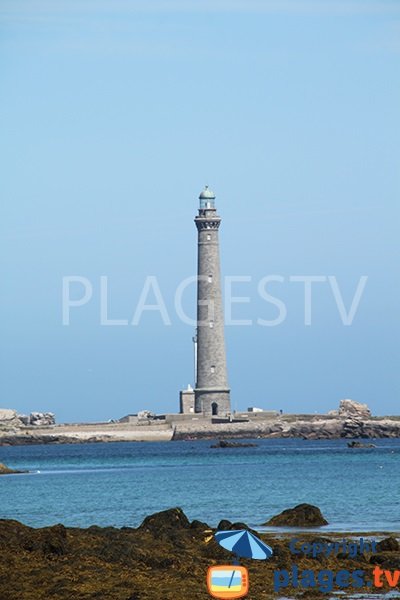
[207, 199]
[207, 194]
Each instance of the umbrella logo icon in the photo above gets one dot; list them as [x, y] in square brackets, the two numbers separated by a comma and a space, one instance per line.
[229, 581]
[243, 544]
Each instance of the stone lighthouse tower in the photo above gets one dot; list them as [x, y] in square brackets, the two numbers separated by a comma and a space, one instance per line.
[211, 394]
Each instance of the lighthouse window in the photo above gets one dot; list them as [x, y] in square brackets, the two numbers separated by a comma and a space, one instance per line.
[209, 278]
[208, 237]
[212, 369]
[211, 324]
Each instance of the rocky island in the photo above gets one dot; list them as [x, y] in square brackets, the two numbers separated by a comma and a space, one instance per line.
[352, 420]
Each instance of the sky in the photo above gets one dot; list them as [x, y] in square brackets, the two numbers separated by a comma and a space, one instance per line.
[113, 117]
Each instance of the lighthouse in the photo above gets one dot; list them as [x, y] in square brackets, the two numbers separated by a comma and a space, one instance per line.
[211, 393]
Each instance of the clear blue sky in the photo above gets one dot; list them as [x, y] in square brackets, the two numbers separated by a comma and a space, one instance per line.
[113, 117]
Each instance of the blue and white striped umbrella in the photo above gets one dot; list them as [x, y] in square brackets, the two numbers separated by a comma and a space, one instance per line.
[244, 544]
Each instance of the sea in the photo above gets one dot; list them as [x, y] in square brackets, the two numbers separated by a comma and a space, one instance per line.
[119, 484]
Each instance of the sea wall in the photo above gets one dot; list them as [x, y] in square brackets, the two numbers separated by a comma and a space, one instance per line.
[87, 433]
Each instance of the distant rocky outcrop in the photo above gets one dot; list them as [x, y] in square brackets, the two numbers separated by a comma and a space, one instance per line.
[146, 414]
[349, 409]
[39, 419]
[355, 444]
[228, 444]
[10, 419]
[302, 515]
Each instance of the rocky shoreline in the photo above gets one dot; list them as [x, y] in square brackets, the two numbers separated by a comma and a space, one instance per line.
[166, 557]
[313, 429]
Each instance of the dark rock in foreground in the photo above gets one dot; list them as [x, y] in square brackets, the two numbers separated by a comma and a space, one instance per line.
[165, 521]
[226, 525]
[45, 542]
[386, 560]
[389, 544]
[303, 515]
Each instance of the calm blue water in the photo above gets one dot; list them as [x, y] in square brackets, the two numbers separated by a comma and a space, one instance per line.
[120, 483]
